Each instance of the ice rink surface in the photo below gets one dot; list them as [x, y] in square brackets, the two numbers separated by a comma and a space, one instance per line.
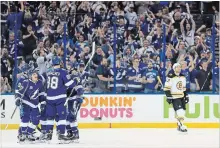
[126, 138]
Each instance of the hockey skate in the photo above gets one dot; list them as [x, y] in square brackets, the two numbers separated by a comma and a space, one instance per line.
[31, 138]
[70, 134]
[75, 138]
[181, 128]
[62, 139]
[21, 138]
[48, 137]
[43, 137]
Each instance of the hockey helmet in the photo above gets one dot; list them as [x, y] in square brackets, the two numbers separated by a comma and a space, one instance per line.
[175, 65]
[31, 72]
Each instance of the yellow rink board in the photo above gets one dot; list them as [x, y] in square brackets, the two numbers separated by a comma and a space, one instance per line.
[130, 125]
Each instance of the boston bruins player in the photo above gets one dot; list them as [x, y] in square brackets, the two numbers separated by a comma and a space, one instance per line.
[175, 90]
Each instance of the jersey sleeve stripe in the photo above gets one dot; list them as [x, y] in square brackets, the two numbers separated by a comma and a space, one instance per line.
[56, 97]
[42, 94]
[69, 83]
[167, 88]
[75, 97]
[77, 87]
[29, 103]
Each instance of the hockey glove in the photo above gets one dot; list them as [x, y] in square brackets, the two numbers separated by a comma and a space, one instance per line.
[186, 98]
[169, 100]
[77, 79]
[43, 106]
[18, 102]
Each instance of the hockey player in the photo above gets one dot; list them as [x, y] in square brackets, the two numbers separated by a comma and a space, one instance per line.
[29, 94]
[21, 77]
[175, 90]
[58, 81]
[43, 116]
[74, 104]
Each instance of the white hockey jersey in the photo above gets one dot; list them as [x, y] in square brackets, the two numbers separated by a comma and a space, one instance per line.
[176, 85]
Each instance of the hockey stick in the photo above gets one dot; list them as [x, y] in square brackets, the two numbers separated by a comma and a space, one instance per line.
[14, 112]
[87, 64]
[11, 116]
[205, 80]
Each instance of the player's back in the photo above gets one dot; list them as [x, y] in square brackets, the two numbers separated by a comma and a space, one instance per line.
[57, 82]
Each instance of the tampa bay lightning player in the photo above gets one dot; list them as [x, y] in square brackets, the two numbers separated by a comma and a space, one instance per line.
[75, 100]
[21, 76]
[58, 80]
[29, 94]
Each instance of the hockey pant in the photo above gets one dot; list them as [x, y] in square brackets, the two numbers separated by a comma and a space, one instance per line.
[29, 119]
[73, 109]
[179, 107]
[56, 110]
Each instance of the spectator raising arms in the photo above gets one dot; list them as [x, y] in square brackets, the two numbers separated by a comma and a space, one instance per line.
[144, 56]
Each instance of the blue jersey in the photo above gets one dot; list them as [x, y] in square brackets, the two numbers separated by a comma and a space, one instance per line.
[57, 82]
[143, 66]
[162, 74]
[186, 73]
[120, 74]
[193, 74]
[146, 27]
[134, 84]
[77, 91]
[42, 78]
[19, 83]
[84, 78]
[151, 74]
[31, 93]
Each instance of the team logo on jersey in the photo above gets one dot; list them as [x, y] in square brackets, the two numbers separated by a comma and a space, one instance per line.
[179, 85]
[20, 87]
[34, 94]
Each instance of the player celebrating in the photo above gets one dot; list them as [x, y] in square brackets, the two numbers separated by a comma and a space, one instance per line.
[28, 96]
[175, 90]
[74, 104]
[58, 81]
[22, 76]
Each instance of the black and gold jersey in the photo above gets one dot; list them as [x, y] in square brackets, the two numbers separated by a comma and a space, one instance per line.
[176, 85]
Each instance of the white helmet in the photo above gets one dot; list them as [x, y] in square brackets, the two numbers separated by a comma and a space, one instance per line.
[175, 65]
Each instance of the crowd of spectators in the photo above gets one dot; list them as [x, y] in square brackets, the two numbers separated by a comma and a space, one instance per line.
[137, 28]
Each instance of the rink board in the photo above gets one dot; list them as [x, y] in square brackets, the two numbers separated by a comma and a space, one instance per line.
[130, 111]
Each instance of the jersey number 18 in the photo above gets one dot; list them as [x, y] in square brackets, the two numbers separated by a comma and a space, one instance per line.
[52, 82]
